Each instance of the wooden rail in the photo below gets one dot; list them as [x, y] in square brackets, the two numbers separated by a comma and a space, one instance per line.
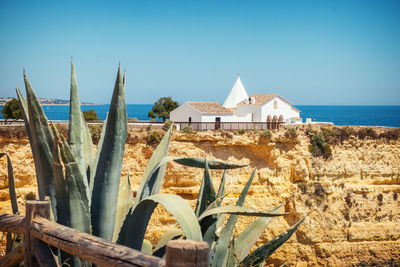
[39, 232]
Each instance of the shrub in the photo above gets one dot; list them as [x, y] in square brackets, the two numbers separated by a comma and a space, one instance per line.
[266, 134]
[188, 130]
[241, 131]
[166, 125]
[319, 148]
[291, 133]
[303, 186]
[13, 132]
[95, 131]
[154, 138]
[392, 134]
[90, 115]
[364, 133]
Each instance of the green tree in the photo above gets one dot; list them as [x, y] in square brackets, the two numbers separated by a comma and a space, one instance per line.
[162, 108]
[12, 110]
[90, 115]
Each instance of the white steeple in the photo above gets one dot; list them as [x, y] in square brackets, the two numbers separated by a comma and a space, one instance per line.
[237, 94]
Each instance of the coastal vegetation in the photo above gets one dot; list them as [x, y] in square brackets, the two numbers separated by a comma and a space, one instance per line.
[12, 110]
[162, 108]
[90, 115]
[83, 188]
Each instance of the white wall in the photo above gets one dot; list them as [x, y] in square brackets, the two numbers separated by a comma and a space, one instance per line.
[183, 112]
[247, 113]
[283, 109]
[211, 117]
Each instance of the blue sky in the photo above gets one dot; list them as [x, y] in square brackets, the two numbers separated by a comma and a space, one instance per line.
[310, 52]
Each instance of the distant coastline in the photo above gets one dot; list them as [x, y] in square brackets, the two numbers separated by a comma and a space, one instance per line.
[47, 102]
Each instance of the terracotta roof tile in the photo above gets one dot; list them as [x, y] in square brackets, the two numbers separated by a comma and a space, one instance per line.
[261, 99]
[210, 107]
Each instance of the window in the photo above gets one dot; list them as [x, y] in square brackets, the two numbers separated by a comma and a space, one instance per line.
[275, 104]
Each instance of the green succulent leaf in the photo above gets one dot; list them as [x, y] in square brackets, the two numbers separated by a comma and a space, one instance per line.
[154, 174]
[134, 228]
[124, 204]
[41, 144]
[212, 164]
[219, 251]
[259, 255]
[25, 114]
[147, 247]
[247, 239]
[235, 210]
[207, 192]
[159, 250]
[11, 184]
[221, 188]
[108, 169]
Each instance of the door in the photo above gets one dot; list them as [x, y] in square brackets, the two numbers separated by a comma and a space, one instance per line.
[217, 123]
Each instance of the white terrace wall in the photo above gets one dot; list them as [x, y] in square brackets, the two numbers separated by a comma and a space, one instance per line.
[211, 117]
[248, 113]
[282, 108]
[183, 112]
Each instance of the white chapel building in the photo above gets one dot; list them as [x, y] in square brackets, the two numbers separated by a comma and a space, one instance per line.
[239, 107]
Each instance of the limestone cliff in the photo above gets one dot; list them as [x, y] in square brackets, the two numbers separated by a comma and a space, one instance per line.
[351, 200]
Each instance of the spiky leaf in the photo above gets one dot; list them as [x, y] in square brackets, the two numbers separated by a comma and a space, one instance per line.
[134, 228]
[159, 250]
[220, 249]
[125, 202]
[235, 210]
[261, 253]
[11, 185]
[212, 164]
[147, 247]
[247, 239]
[154, 174]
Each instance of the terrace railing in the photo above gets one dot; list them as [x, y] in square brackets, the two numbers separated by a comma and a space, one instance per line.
[40, 233]
[229, 126]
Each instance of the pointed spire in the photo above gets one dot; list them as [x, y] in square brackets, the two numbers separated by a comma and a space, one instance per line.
[237, 94]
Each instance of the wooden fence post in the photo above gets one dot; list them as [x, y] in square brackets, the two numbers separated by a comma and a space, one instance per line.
[186, 253]
[33, 208]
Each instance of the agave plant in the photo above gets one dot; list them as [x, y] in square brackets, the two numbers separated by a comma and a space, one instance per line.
[83, 187]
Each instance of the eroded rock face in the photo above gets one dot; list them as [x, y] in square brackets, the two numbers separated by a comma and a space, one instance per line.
[351, 201]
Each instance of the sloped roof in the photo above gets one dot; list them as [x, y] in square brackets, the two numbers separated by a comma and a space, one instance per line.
[237, 94]
[210, 107]
[261, 99]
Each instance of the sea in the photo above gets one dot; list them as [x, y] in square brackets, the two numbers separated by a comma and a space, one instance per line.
[339, 115]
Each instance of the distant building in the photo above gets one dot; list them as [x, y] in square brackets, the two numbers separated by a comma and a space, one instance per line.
[239, 107]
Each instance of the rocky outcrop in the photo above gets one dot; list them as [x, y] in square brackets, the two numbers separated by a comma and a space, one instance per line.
[351, 201]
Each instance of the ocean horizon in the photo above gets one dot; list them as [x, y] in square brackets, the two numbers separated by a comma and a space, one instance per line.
[354, 115]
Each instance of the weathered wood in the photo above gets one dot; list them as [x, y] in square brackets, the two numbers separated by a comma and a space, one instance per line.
[34, 209]
[90, 248]
[12, 223]
[14, 257]
[43, 254]
[187, 253]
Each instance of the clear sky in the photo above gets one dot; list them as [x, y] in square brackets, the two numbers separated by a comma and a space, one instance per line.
[309, 52]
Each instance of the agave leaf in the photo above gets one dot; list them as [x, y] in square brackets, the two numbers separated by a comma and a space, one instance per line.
[236, 210]
[108, 169]
[11, 185]
[60, 186]
[212, 164]
[78, 202]
[79, 137]
[219, 251]
[96, 159]
[41, 144]
[25, 114]
[247, 239]
[221, 188]
[124, 204]
[159, 250]
[261, 253]
[134, 228]
[147, 247]
[207, 193]
[154, 174]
